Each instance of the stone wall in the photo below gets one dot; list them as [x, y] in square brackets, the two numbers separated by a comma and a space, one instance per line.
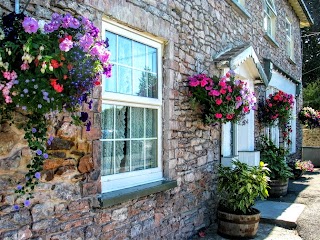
[311, 137]
[65, 204]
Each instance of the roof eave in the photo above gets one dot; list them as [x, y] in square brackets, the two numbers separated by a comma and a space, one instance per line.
[302, 12]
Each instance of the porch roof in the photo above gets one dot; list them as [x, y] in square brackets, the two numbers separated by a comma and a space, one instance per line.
[234, 57]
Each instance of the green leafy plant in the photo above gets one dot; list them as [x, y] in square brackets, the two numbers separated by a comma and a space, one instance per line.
[241, 185]
[275, 157]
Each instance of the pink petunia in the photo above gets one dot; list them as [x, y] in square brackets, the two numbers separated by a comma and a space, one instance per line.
[6, 75]
[229, 116]
[218, 115]
[66, 45]
[223, 91]
[194, 83]
[30, 25]
[203, 82]
[214, 93]
[219, 101]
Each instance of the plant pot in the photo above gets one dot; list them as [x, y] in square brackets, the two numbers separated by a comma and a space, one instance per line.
[278, 187]
[235, 225]
[297, 173]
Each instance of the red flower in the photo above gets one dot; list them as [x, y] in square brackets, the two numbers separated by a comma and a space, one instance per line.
[229, 116]
[54, 63]
[58, 88]
[97, 83]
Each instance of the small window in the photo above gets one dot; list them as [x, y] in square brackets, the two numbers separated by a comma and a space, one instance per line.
[131, 111]
[270, 18]
[289, 40]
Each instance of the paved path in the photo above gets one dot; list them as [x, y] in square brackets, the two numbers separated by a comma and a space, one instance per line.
[305, 190]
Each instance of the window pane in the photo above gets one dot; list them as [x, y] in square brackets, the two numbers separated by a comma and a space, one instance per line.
[152, 85]
[111, 83]
[122, 156]
[137, 124]
[122, 122]
[125, 51]
[125, 80]
[107, 158]
[137, 158]
[152, 60]
[112, 45]
[151, 123]
[139, 55]
[139, 83]
[107, 122]
[151, 153]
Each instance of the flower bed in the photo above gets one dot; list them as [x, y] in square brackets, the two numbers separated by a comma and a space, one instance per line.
[48, 68]
[221, 100]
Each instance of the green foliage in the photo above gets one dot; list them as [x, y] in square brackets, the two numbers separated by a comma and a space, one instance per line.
[275, 157]
[240, 186]
[311, 97]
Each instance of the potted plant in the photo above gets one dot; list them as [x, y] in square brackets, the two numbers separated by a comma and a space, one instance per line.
[299, 167]
[309, 117]
[224, 99]
[238, 188]
[280, 172]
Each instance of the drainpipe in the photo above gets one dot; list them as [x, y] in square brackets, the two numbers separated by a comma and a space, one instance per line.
[16, 6]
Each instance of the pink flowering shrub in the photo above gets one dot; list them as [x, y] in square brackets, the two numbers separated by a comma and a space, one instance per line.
[221, 100]
[304, 165]
[48, 70]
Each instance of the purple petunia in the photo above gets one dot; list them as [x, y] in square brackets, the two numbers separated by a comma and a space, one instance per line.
[33, 130]
[30, 25]
[45, 155]
[19, 187]
[16, 207]
[84, 116]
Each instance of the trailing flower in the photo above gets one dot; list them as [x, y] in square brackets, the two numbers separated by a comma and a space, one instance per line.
[221, 100]
[47, 68]
[309, 117]
[276, 110]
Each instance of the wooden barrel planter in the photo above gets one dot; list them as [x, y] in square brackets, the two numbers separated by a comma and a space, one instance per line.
[278, 188]
[234, 225]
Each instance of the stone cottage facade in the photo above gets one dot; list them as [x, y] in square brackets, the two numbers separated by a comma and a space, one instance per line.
[148, 167]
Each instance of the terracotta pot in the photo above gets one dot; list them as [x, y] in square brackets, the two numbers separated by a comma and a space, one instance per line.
[235, 225]
[278, 187]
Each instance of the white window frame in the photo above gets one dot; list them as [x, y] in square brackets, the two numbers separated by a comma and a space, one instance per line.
[241, 2]
[289, 40]
[130, 179]
[270, 16]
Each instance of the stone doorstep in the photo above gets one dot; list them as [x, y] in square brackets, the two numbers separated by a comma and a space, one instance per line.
[280, 213]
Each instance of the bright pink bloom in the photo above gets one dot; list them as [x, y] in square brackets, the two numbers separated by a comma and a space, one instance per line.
[66, 45]
[6, 75]
[219, 101]
[24, 66]
[30, 25]
[222, 84]
[223, 91]
[228, 98]
[214, 93]
[218, 115]
[194, 83]
[246, 109]
[238, 98]
[203, 82]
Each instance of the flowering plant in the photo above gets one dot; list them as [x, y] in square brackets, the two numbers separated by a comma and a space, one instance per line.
[48, 68]
[309, 117]
[276, 109]
[221, 100]
[304, 165]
